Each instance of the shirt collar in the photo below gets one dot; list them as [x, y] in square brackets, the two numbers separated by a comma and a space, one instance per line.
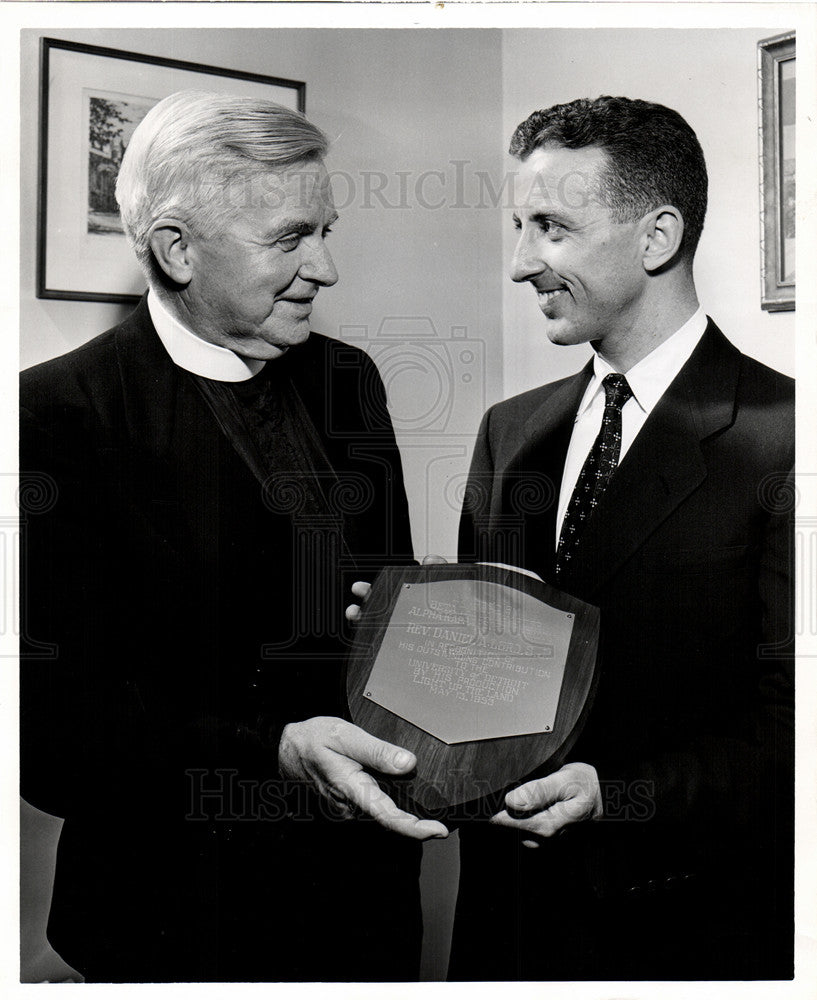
[200, 357]
[651, 377]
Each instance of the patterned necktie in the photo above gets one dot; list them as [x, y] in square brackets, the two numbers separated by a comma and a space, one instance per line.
[596, 473]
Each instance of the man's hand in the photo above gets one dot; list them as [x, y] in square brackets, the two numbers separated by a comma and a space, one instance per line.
[546, 806]
[362, 589]
[332, 754]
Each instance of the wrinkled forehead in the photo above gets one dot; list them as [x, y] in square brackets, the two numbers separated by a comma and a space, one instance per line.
[300, 189]
[557, 179]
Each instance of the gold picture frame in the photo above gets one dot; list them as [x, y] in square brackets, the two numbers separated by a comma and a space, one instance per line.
[777, 96]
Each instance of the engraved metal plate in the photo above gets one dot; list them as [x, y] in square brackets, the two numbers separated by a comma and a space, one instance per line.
[471, 660]
[468, 666]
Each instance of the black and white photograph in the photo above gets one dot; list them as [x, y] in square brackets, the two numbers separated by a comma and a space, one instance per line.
[91, 98]
[111, 121]
[411, 528]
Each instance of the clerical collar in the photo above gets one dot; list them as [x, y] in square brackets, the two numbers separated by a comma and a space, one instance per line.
[651, 377]
[200, 357]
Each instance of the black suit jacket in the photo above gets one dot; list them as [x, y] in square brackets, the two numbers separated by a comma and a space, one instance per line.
[177, 615]
[689, 558]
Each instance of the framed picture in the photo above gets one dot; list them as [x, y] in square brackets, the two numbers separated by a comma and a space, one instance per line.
[91, 100]
[776, 72]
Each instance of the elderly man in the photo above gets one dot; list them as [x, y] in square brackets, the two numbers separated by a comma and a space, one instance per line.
[220, 475]
[668, 455]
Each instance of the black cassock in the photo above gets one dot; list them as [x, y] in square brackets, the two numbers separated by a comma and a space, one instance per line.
[185, 569]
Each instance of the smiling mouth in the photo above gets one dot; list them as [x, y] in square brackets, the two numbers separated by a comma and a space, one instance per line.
[547, 295]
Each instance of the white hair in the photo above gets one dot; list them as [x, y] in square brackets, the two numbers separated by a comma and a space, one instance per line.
[189, 150]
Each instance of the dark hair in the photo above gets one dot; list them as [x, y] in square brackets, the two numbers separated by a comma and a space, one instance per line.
[655, 157]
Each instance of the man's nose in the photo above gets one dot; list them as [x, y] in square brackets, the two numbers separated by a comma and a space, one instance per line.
[526, 262]
[318, 266]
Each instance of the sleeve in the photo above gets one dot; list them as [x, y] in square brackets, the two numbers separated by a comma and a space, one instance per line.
[387, 539]
[73, 716]
[368, 462]
[722, 805]
[111, 709]
[474, 542]
[723, 798]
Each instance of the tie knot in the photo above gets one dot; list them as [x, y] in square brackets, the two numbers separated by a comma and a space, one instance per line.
[616, 390]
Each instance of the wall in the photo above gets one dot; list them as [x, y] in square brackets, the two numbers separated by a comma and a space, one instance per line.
[710, 77]
[421, 275]
[435, 277]
[417, 279]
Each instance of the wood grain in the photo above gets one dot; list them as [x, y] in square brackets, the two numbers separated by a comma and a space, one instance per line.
[466, 780]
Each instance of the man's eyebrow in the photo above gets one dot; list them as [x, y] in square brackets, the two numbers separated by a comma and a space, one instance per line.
[292, 224]
[297, 224]
[540, 217]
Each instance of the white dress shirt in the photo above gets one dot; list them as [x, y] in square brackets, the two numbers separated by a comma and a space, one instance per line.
[189, 351]
[649, 380]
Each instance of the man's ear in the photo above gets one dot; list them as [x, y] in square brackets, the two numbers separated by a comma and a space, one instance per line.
[663, 235]
[170, 242]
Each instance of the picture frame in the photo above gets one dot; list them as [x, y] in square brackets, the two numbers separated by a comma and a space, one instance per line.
[776, 98]
[91, 99]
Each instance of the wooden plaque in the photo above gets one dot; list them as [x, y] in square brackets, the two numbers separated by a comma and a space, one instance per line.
[484, 673]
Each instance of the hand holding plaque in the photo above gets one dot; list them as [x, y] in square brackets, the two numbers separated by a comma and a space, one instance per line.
[484, 673]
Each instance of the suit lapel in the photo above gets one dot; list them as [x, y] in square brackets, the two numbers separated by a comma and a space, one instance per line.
[150, 382]
[664, 464]
[533, 477]
[171, 452]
